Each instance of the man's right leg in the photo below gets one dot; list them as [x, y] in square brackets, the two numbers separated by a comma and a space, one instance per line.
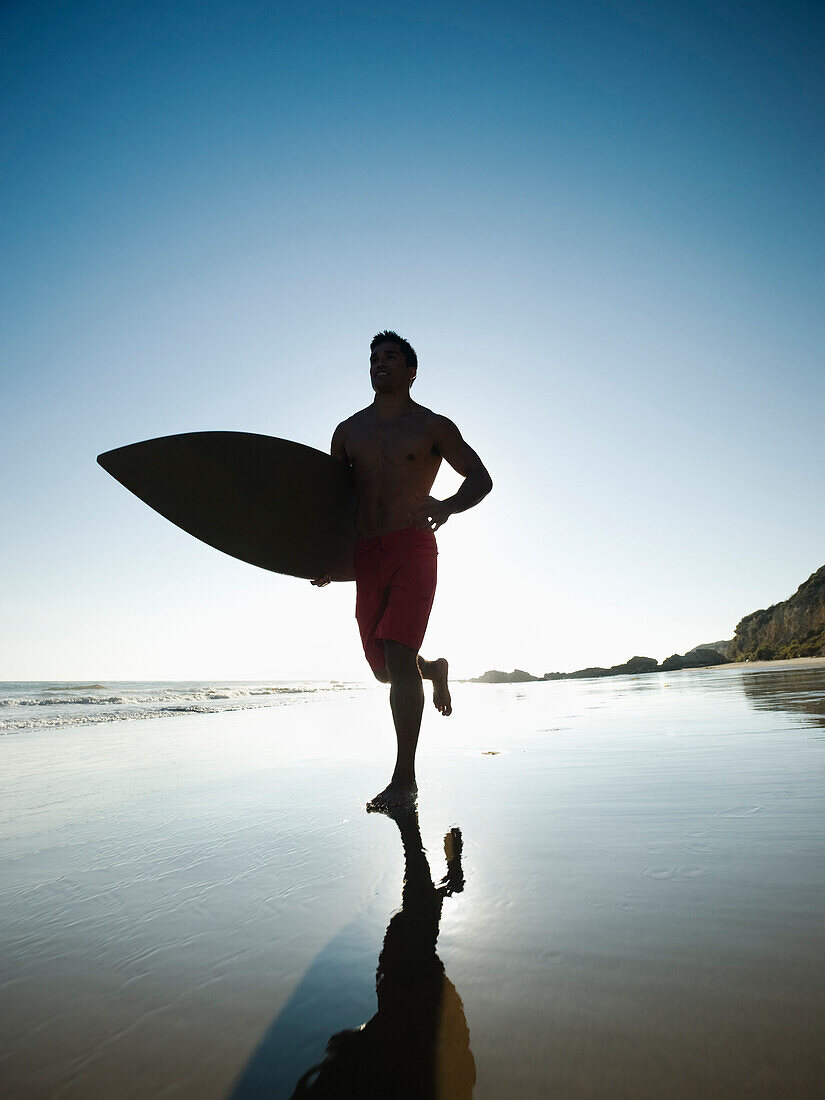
[437, 672]
[407, 704]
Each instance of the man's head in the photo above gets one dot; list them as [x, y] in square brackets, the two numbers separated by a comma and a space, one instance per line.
[393, 362]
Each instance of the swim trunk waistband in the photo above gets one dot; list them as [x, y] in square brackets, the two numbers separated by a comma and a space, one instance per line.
[403, 536]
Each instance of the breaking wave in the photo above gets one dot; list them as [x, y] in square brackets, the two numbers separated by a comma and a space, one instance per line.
[33, 706]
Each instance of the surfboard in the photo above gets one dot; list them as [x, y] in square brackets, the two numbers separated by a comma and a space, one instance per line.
[271, 502]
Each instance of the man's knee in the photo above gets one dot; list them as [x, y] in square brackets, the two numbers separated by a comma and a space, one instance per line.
[401, 660]
[381, 675]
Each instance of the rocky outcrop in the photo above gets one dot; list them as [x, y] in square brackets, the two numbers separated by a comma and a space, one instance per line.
[695, 658]
[721, 647]
[493, 676]
[634, 667]
[793, 628]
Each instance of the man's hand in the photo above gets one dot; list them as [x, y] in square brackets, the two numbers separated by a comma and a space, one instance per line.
[431, 513]
[319, 582]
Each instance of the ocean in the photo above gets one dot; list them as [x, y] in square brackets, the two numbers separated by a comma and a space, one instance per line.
[55, 705]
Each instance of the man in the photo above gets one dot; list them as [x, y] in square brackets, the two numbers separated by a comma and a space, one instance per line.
[395, 448]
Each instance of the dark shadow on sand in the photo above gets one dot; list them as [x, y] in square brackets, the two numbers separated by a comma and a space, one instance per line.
[417, 1045]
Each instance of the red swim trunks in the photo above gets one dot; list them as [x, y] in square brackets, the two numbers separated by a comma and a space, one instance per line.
[395, 585]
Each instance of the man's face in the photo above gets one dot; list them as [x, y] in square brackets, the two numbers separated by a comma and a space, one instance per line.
[388, 368]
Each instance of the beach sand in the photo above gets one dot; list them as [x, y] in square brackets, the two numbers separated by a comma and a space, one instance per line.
[193, 907]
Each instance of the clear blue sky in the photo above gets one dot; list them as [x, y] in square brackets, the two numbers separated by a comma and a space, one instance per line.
[600, 224]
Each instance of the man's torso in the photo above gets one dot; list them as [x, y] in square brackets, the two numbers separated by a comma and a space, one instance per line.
[395, 463]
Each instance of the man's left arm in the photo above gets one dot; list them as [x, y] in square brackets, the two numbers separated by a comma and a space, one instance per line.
[460, 455]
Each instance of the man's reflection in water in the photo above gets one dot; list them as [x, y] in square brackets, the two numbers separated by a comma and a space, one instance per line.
[418, 1043]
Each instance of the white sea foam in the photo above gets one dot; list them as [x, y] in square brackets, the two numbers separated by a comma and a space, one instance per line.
[133, 699]
[52, 706]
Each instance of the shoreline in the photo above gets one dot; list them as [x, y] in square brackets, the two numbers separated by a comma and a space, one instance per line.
[813, 662]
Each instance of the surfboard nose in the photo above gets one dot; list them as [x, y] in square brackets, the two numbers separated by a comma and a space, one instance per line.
[271, 502]
[105, 460]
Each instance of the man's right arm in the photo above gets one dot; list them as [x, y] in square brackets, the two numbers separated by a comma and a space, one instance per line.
[338, 450]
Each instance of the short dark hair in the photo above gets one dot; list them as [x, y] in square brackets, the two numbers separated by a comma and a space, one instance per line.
[410, 358]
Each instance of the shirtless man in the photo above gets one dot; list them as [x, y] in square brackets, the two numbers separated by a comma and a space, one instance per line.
[395, 448]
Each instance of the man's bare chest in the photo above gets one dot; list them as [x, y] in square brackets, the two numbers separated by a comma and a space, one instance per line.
[373, 446]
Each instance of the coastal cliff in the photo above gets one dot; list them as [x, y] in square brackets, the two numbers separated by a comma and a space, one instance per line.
[792, 628]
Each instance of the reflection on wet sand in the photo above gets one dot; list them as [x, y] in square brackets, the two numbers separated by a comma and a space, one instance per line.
[798, 690]
[417, 1044]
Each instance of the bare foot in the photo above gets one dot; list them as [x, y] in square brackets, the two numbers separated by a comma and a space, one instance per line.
[393, 797]
[442, 700]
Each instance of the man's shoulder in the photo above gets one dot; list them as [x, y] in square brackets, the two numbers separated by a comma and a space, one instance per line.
[430, 417]
[353, 421]
[436, 423]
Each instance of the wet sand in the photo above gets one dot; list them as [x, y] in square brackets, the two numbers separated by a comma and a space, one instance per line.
[194, 907]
